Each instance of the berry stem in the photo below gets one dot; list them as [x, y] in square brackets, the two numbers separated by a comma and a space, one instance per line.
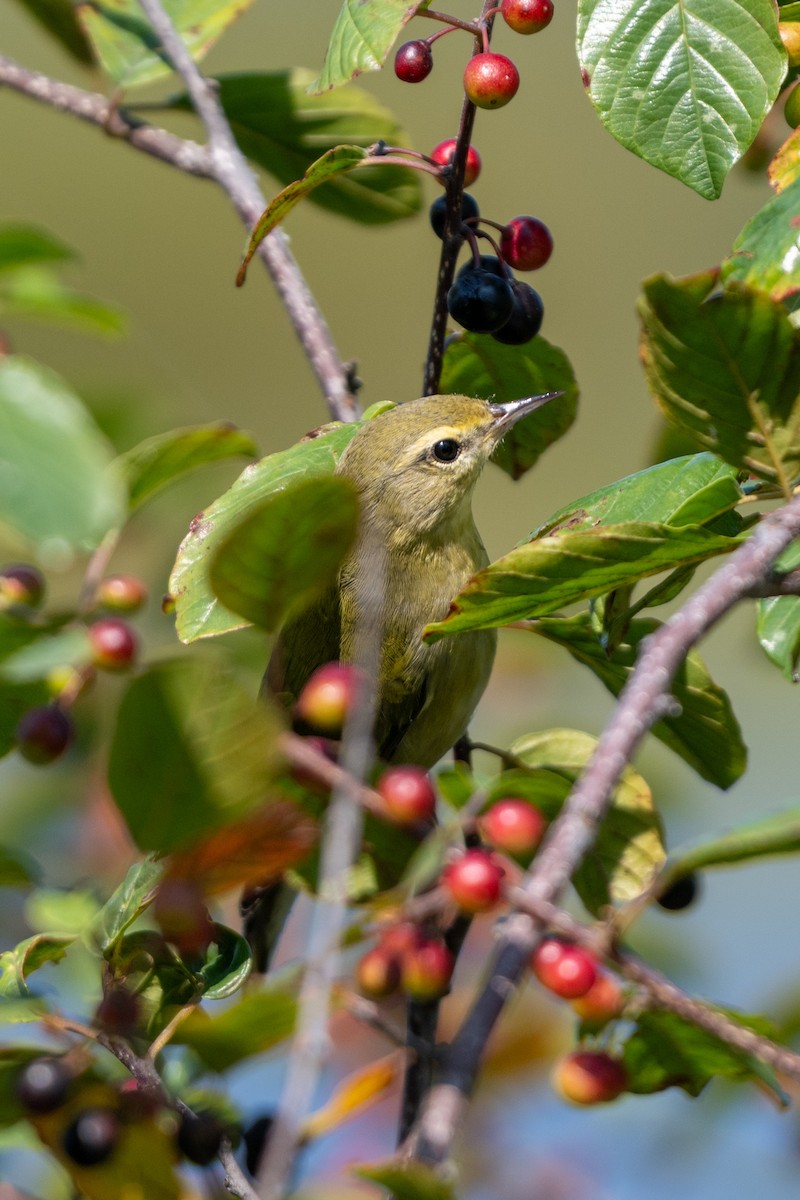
[472, 27]
[454, 189]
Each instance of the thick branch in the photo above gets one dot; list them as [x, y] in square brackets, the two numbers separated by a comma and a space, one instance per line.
[209, 162]
[640, 705]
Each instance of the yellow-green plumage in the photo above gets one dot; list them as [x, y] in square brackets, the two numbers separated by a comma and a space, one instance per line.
[416, 548]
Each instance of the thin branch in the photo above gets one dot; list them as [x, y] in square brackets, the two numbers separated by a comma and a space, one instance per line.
[662, 993]
[144, 1071]
[207, 162]
[572, 834]
[340, 844]
[451, 240]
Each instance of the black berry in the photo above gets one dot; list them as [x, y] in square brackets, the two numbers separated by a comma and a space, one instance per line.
[480, 301]
[526, 316]
[42, 1085]
[488, 262]
[679, 894]
[200, 1137]
[469, 212]
[413, 62]
[43, 734]
[256, 1140]
[92, 1137]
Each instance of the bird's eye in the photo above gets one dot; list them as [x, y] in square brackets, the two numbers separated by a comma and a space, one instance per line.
[446, 450]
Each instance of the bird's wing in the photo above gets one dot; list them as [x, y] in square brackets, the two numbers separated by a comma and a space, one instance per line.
[403, 694]
[306, 642]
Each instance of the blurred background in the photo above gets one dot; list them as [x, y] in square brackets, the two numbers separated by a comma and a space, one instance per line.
[165, 247]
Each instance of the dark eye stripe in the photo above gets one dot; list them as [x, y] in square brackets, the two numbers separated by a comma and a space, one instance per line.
[446, 450]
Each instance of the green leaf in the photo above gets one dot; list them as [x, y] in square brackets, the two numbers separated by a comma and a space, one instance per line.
[15, 700]
[287, 551]
[126, 903]
[629, 849]
[477, 365]
[766, 254]
[128, 49]
[542, 576]
[58, 910]
[260, 1020]
[408, 1180]
[776, 834]
[160, 460]
[705, 732]
[17, 869]
[69, 647]
[36, 293]
[691, 490]
[282, 128]
[330, 164]
[667, 1051]
[199, 613]
[17, 964]
[362, 37]
[685, 84]
[228, 963]
[456, 784]
[25, 245]
[191, 752]
[778, 622]
[57, 487]
[725, 366]
[58, 18]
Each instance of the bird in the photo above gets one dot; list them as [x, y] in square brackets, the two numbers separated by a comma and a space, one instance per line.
[414, 469]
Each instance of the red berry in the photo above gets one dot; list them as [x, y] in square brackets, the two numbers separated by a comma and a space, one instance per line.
[407, 794]
[565, 969]
[181, 912]
[589, 1077]
[122, 593]
[114, 644]
[513, 826]
[92, 1136]
[326, 699]
[443, 155]
[378, 973]
[790, 36]
[413, 62]
[526, 243]
[490, 80]
[426, 970]
[527, 16]
[474, 881]
[21, 583]
[397, 940]
[42, 1085]
[43, 734]
[603, 1001]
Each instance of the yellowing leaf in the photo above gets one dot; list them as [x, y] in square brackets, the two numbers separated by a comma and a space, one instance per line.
[356, 1092]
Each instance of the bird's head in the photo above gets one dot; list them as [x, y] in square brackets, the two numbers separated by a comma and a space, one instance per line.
[415, 466]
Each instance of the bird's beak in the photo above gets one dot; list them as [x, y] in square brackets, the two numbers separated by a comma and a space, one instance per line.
[507, 414]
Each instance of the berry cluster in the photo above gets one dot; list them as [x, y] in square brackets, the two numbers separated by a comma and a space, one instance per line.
[92, 1133]
[408, 959]
[45, 732]
[485, 296]
[585, 1076]
[490, 80]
